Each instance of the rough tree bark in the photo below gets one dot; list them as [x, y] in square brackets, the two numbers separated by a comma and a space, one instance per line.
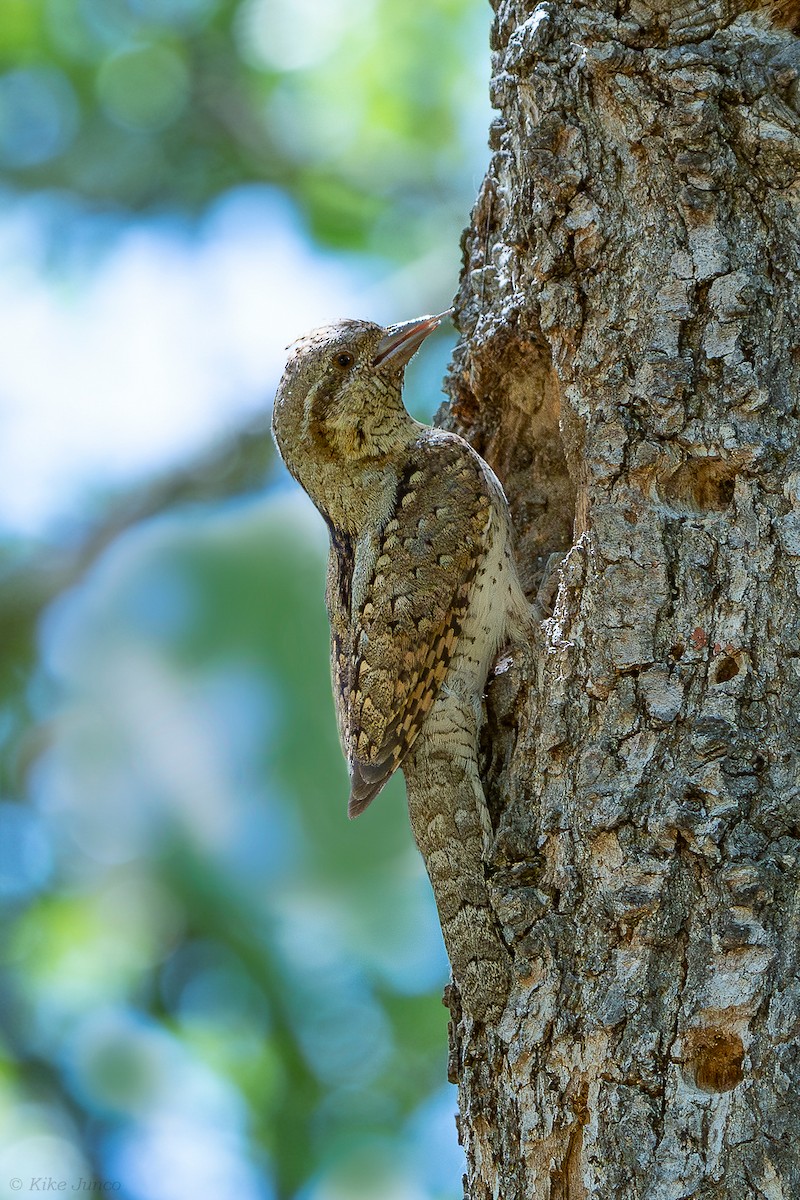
[630, 365]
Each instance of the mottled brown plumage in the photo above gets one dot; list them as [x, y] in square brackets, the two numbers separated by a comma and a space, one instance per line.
[422, 590]
[405, 632]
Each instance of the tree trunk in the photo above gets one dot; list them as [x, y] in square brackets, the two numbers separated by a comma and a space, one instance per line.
[630, 307]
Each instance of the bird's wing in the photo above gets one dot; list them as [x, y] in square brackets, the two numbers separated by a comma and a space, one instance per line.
[409, 621]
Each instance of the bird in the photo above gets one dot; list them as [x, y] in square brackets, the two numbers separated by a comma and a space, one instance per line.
[422, 591]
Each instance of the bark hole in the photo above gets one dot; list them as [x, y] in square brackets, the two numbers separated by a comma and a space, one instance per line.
[727, 669]
[700, 485]
[714, 1059]
[506, 402]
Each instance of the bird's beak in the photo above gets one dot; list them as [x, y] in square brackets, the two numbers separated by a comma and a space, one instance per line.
[400, 342]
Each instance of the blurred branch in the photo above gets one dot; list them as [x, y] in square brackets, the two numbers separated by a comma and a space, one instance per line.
[234, 466]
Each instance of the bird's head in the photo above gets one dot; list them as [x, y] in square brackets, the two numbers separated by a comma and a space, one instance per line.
[340, 398]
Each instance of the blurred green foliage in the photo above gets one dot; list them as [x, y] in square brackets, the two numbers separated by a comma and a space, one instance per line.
[192, 801]
[212, 983]
[359, 108]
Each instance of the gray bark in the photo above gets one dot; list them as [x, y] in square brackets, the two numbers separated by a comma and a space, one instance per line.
[630, 366]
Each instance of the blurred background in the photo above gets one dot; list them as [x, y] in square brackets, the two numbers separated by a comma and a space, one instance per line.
[211, 983]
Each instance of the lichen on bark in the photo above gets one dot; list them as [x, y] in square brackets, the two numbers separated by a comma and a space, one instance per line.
[630, 365]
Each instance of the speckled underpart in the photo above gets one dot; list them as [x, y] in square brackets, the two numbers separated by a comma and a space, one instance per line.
[422, 592]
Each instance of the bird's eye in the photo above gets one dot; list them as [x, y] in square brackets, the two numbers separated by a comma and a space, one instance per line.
[344, 360]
